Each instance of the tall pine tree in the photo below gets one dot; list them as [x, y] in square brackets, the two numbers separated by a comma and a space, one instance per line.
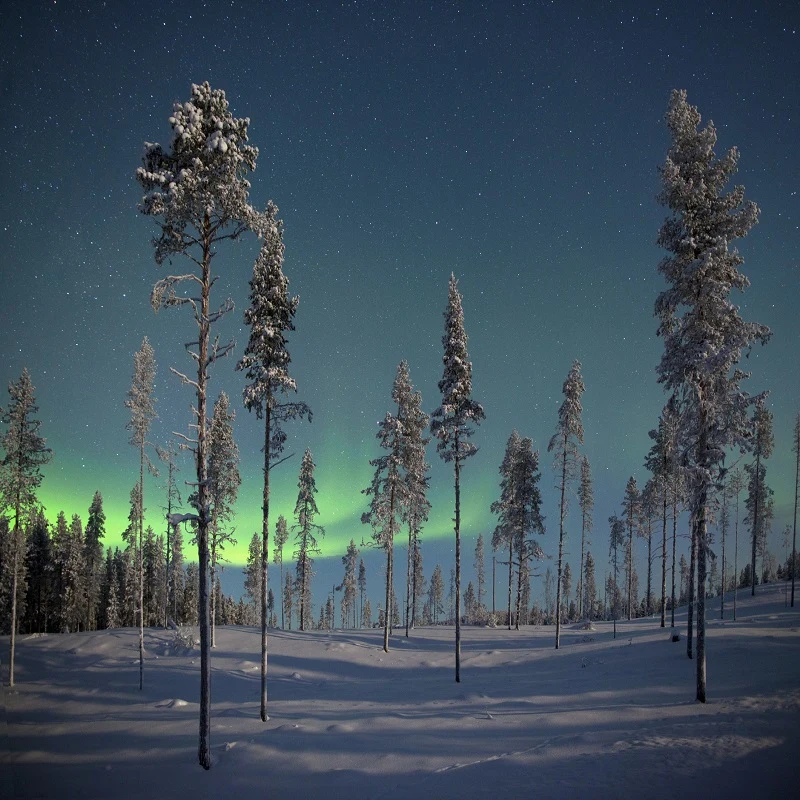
[306, 533]
[704, 336]
[452, 422]
[25, 452]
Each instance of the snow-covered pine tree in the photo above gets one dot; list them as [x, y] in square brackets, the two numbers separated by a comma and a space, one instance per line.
[566, 582]
[736, 486]
[281, 537]
[648, 513]
[266, 364]
[452, 422]
[387, 493]
[616, 540]
[93, 559]
[631, 509]
[25, 452]
[566, 461]
[704, 336]
[141, 404]
[415, 506]
[362, 587]
[436, 594]
[168, 456]
[589, 588]
[223, 487]
[253, 574]
[586, 503]
[72, 568]
[758, 493]
[480, 574]
[307, 531]
[417, 583]
[288, 600]
[366, 619]
[177, 576]
[349, 560]
[197, 190]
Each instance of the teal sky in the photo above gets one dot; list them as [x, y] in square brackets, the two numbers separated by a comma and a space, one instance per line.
[514, 144]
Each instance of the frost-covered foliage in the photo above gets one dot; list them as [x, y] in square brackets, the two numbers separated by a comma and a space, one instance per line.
[704, 335]
[200, 181]
[452, 422]
[306, 533]
[25, 452]
[140, 401]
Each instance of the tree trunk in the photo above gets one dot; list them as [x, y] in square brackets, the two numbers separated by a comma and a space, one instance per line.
[561, 542]
[265, 563]
[408, 581]
[510, 575]
[580, 573]
[722, 593]
[794, 525]
[213, 582]
[15, 569]
[664, 561]
[630, 570]
[204, 746]
[414, 585]
[674, 546]
[755, 526]
[735, 556]
[648, 603]
[692, 565]
[387, 616]
[458, 563]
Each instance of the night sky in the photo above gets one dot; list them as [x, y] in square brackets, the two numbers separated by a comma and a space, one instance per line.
[515, 145]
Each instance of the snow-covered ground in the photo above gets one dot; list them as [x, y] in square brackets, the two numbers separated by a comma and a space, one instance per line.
[597, 718]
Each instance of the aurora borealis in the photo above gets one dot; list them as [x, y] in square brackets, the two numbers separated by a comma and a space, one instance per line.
[513, 144]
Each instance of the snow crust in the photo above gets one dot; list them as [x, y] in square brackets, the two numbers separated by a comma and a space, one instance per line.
[600, 717]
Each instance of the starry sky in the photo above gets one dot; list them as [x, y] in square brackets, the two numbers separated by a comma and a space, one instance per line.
[514, 144]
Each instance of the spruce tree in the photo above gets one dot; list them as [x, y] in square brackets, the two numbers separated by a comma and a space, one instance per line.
[480, 574]
[141, 404]
[616, 540]
[288, 599]
[586, 502]
[223, 487]
[349, 560]
[704, 336]
[589, 588]
[306, 533]
[362, 587]
[648, 512]
[758, 493]
[631, 508]
[436, 594]
[253, 574]
[564, 444]
[266, 364]
[452, 423]
[197, 190]
[281, 537]
[93, 558]
[25, 452]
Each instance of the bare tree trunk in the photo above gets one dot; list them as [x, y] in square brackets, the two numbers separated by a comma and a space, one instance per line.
[213, 581]
[664, 561]
[674, 546]
[561, 542]
[204, 746]
[794, 525]
[408, 580]
[692, 566]
[414, 585]
[15, 569]
[722, 593]
[580, 573]
[735, 557]
[387, 616]
[648, 602]
[458, 563]
[265, 564]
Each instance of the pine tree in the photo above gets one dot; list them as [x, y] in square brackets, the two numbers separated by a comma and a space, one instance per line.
[362, 587]
[586, 502]
[418, 583]
[704, 336]
[589, 588]
[253, 572]
[177, 576]
[20, 477]
[436, 594]
[736, 485]
[758, 493]
[198, 192]
[631, 507]
[349, 560]
[452, 422]
[73, 602]
[288, 600]
[141, 404]
[387, 492]
[366, 619]
[168, 456]
[223, 487]
[648, 511]
[564, 443]
[281, 537]
[266, 364]
[40, 572]
[616, 540]
[470, 604]
[480, 573]
[93, 558]
[566, 583]
[307, 531]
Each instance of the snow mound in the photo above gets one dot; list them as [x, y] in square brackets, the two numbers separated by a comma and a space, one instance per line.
[173, 703]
